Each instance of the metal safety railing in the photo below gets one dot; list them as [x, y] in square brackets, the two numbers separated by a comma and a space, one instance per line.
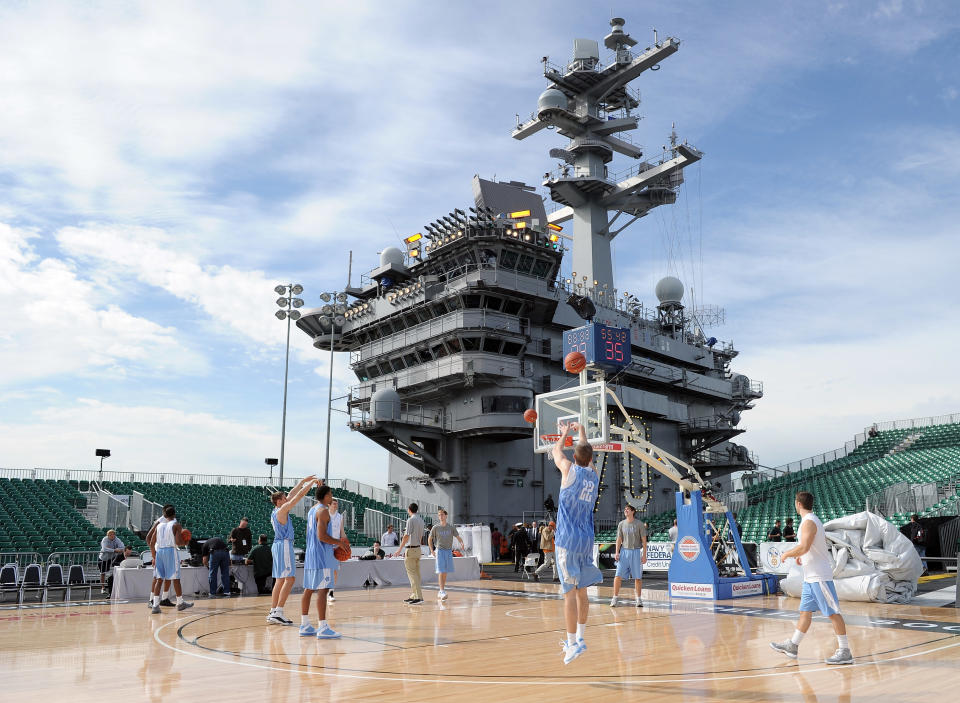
[375, 523]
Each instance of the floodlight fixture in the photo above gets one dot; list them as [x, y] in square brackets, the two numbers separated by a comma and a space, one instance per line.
[325, 297]
[282, 302]
[280, 290]
[297, 289]
[297, 302]
[281, 314]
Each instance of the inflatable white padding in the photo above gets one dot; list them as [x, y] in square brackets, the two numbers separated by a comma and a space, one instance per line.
[872, 561]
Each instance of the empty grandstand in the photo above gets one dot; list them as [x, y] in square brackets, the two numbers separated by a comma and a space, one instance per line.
[894, 469]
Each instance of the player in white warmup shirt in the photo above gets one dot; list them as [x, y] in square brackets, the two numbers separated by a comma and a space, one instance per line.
[818, 592]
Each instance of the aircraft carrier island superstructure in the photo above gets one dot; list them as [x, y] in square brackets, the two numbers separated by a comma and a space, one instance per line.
[451, 339]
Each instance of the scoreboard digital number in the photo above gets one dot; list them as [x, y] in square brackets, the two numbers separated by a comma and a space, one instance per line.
[601, 345]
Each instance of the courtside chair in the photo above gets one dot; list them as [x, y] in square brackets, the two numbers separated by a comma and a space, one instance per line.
[9, 583]
[77, 581]
[55, 584]
[32, 583]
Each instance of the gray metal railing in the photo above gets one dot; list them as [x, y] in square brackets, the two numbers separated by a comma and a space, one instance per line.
[21, 559]
[375, 523]
[87, 559]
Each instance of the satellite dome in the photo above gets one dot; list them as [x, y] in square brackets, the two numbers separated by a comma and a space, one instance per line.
[669, 290]
[551, 99]
[385, 405]
[391, 255]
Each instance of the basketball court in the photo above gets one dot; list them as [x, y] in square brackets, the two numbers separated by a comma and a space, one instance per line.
[492, 640]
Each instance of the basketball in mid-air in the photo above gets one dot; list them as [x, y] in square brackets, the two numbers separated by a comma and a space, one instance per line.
[530, 415]
[341, 553]
[575, 362]
[185, 536]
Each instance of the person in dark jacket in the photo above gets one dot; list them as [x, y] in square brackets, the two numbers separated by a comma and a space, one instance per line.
[216, 556]
[520, 544]
[262, 560]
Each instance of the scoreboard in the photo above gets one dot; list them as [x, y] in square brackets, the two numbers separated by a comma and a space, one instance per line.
[600, 344]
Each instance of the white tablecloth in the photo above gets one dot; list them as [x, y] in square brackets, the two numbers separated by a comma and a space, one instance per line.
[134, 584]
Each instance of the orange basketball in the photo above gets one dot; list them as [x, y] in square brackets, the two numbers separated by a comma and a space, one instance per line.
[575, 362]
[185, 536]
[530, 415]
[341, 554]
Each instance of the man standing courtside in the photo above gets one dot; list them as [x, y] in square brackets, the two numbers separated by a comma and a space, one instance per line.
[819, 593]
[410, 548]
[441, 545]
[547, 535]
[242, 541]
[579, 485]
[217, 559]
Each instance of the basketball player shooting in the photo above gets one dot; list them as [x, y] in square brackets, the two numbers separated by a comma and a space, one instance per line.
[574, 541]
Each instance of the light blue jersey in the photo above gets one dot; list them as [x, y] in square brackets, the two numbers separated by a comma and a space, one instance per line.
[284, 558]
[281, 531]
[318, 561]
[575, 515]
[319, 554]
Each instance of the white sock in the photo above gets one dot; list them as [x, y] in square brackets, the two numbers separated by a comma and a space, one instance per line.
[304, 620]
[166, 594]
[580, 628]
[842, 642]
[323, 625]
[278, 611]
[155, 600]
[797, 636]
[179, 600]
[571, 638]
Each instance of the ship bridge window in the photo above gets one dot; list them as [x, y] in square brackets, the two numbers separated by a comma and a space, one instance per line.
[512, 307]
[372, 371]
[397, 364]
[526, 263]
[454, 303]
[439, 309]
[511, 348]
[508, 259]
[467, 258]
[470, 343]
[471, 301]
[504, 403]
[439, 351]
[541, 268]
[491, 344]
[410, 359]
[410, 320]
[454, 345]
[492, 302]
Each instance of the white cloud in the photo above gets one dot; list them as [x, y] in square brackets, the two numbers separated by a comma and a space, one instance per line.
[156, 439]
[56, 323]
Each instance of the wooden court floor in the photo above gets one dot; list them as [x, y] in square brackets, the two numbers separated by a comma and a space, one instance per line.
[491, 641]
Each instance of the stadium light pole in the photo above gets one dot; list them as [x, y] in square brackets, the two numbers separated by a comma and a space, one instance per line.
[333, 315]
[288, 304]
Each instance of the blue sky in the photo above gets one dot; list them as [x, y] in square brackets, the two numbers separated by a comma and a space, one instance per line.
[163, 166]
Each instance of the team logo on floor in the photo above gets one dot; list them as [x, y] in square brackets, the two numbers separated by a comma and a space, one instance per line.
[689, 548]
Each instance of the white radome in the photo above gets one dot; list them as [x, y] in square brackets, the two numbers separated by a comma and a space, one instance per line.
[391, 255]
[669, 290]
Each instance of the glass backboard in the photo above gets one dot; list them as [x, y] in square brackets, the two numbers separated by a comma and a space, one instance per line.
[585, 404]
